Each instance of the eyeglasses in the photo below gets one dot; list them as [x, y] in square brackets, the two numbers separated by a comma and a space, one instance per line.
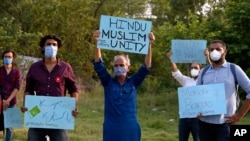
[119, 65]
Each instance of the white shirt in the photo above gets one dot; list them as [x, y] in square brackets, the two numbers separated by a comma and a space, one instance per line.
[183, 79]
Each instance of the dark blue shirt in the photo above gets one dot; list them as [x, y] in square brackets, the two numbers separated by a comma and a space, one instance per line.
[120, 100]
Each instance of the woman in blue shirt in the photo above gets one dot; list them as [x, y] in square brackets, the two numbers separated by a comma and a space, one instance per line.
[120, 92]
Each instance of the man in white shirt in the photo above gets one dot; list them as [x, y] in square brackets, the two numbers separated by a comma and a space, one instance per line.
[187, 125]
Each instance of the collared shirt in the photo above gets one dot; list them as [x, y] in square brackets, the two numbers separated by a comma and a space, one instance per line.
[183, 79]
[55, 83]
[224, 75]
[9, 82]
[120, 100]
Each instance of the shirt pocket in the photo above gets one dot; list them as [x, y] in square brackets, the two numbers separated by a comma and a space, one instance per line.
[121, 93]
[127, 92]
[115, 93]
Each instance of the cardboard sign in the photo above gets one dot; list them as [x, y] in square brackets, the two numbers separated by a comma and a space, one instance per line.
[188, 51]
[124, 34]
[12, 118]
[49, 112]
[206, 99]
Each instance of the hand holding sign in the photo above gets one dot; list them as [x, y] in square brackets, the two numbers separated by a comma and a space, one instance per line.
[96, 35]
[151, 37]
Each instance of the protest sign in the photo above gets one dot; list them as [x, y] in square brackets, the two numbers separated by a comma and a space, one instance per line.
[12, 118]
[205, 99]
[124, 34]
[188, 51]
[49, 112]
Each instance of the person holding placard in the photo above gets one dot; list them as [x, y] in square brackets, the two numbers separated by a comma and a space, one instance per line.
[10, 81]
[187, 125]
[217, 127]
[120, 92]
[50, 77]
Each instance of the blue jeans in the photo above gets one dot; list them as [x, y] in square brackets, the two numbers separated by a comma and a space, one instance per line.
[187, 126]
[38, 134]
[214, 132]
[8, 135]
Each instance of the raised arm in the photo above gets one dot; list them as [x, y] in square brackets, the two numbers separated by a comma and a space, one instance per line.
[174, 67]
[97, 54]
[206, 52]
[148, 57]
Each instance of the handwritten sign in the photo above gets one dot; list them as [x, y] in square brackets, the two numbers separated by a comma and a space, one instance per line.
[12, 118]
[49, 112]
[124, 34]
[205, 99]
[188, 51]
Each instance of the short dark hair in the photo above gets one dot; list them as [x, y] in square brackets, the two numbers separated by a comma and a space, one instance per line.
[219, 41]
[50, 36]
[200, 65]
[9, 50]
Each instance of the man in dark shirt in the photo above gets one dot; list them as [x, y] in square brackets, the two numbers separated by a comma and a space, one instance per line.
[50, 77]
[10, 80]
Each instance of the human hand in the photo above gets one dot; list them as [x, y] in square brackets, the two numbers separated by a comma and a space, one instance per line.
[206, 52]
[199, 115]
[232, 119]
[151, 37]
[96, 35]
[169, 54]
[75, 112]
[24, 109]
[6, 104]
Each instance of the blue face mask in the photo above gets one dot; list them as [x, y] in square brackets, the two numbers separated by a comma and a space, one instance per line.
[120, 71]
[50, 51]
[7, 60]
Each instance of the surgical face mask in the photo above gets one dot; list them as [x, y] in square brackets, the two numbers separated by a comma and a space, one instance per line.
[215, 55]
[120, 71]
[194, 72]
[50, 51]
[7, 60]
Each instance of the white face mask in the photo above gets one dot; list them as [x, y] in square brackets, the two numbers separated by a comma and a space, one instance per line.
[50, 51]
[215, 55]
[194, 72]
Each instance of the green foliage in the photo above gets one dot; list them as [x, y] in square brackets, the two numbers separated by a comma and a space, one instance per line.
[11, 36]
[74, 21]
[24, 22]
[238, 32]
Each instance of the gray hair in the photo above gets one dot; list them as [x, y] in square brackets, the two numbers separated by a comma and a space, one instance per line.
[124, 56]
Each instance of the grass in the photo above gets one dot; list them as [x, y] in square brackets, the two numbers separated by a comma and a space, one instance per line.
[157, 114]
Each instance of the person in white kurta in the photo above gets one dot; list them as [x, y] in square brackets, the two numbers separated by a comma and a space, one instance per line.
[187, 125]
